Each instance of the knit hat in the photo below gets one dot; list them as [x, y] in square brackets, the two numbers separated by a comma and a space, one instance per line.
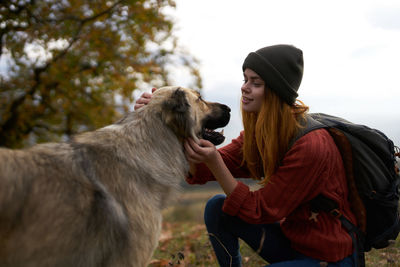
[281, 68]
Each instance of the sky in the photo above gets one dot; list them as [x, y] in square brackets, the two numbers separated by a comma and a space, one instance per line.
[351, 53]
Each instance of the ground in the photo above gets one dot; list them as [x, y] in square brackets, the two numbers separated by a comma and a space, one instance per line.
[184, 239]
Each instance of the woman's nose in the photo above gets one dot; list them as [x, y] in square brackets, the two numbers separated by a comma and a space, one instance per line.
[245, 88]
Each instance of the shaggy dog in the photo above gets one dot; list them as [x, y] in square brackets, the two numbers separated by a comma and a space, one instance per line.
[97, 200]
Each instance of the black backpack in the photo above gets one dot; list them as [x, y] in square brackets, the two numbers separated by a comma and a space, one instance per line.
[369, 158]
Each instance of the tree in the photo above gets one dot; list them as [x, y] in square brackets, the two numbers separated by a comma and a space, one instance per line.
[72, 65]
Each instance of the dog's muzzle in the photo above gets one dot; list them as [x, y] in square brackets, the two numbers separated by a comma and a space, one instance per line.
[219, 119]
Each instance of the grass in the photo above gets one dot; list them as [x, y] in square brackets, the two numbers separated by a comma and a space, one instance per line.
[184, 239]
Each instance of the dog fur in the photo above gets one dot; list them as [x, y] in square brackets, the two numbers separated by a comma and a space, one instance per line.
[97, 200]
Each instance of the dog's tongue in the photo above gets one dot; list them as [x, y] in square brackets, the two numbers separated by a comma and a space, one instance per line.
[214, 137]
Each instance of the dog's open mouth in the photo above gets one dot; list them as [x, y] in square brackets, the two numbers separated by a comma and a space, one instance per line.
[213, 136]
[212, 122]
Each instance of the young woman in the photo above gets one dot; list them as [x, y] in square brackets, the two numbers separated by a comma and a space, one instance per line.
[276, 220]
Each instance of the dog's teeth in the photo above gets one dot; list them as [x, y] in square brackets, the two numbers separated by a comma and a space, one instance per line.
[222, 132]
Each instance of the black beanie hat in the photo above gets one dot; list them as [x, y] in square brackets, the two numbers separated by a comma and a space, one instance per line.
[281, 68]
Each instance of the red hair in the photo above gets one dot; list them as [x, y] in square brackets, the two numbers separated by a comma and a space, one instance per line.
[267, 134]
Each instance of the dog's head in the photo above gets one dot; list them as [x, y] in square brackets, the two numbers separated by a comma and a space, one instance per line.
[188, 115]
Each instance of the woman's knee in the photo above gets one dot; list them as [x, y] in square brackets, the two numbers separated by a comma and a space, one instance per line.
[213, 209]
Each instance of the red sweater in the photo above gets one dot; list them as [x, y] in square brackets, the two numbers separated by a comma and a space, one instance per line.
[312, 166]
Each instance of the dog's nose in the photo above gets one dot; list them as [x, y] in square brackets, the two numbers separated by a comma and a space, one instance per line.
[225, 107]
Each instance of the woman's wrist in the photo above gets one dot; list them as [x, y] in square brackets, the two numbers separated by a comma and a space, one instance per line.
[222, 174]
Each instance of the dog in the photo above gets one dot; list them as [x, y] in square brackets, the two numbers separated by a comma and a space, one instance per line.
[97, 199]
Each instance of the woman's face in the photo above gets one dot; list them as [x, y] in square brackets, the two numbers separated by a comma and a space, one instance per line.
[253, 90]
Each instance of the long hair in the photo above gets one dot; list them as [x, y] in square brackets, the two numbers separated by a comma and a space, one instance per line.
[267, 134]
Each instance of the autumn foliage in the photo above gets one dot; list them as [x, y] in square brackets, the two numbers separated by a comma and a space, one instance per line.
[68, 66]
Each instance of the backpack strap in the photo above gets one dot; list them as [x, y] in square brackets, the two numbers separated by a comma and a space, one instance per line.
[356, 203]
[313, 122]
[322, 203]
[308, 124]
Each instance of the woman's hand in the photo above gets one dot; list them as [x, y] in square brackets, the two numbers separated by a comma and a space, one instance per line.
[205, 151]
[144, 99]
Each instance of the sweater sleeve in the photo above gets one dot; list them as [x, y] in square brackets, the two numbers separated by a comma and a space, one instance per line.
[295, 182]
[232, 155]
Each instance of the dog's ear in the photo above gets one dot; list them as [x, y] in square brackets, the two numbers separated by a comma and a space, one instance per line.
[176, 114]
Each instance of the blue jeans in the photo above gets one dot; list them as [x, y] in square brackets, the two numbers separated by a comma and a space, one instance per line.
[224, 233]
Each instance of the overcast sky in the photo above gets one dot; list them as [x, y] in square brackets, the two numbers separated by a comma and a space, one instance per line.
[351, 52]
